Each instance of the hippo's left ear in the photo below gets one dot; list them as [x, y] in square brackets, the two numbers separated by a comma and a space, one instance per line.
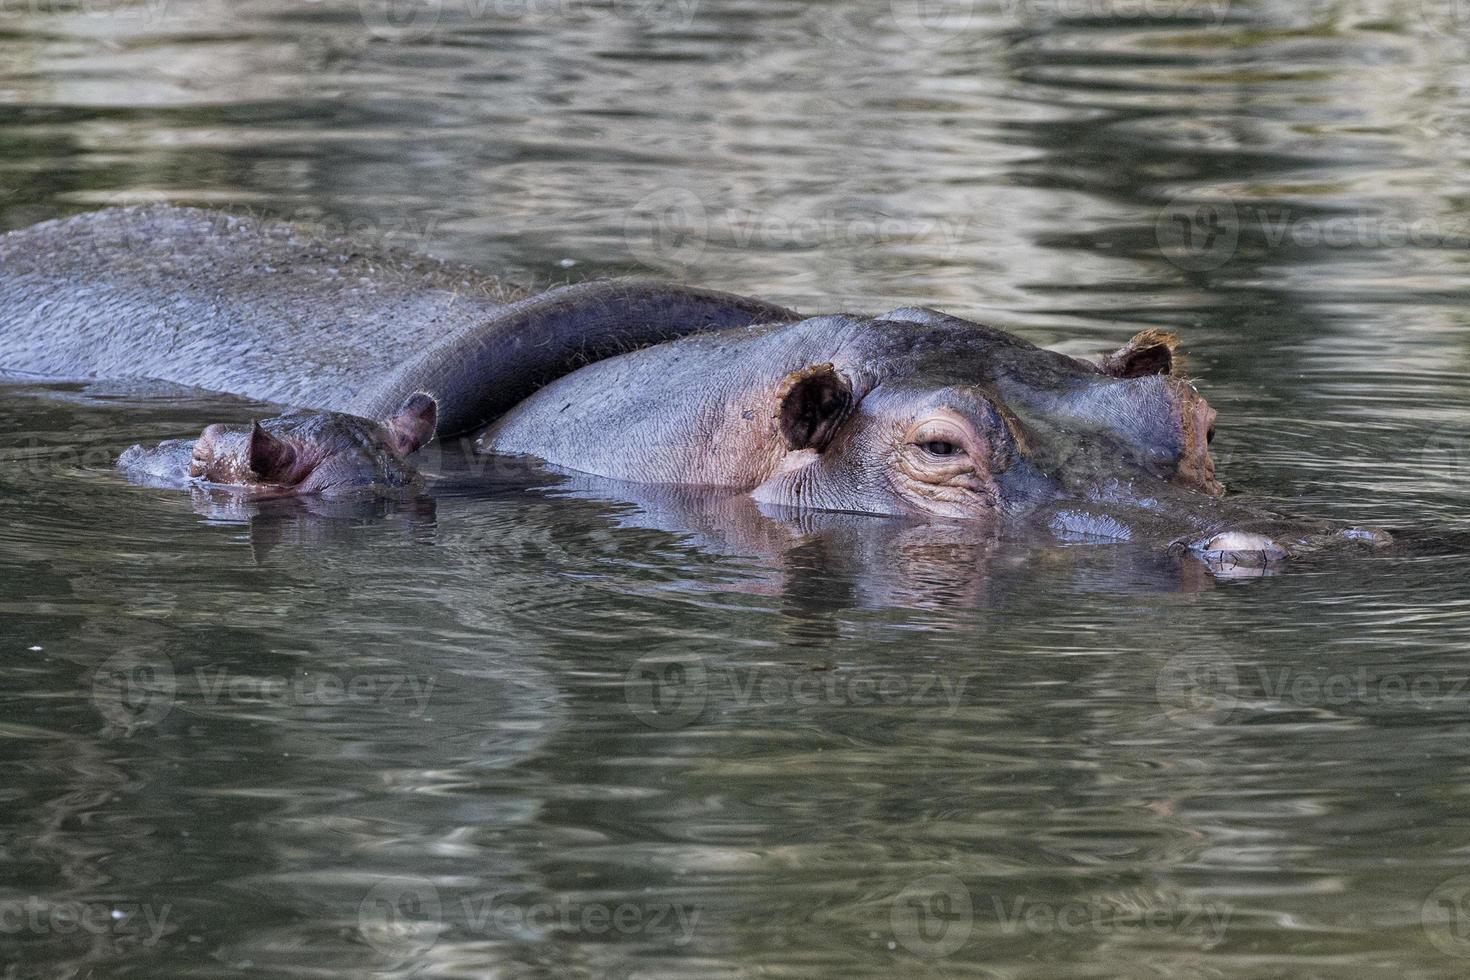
[413, 424]
[1150, 352]
[814, 401]
[271, 459]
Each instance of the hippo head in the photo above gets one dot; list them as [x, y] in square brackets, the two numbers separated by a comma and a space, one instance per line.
[301, 453]
[918, 413]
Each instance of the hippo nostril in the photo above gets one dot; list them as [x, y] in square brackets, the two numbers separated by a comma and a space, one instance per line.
[1371, 536]
[1239, 546]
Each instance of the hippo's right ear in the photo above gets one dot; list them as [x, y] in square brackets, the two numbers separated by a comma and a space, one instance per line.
[1149, 352]
[413, 424]
[813, 403]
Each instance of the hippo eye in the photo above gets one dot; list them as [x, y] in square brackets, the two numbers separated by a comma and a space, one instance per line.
[938, 447]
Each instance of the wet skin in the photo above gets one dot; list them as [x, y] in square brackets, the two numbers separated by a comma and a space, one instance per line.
[297, 454]
[912, 414]
[915, 414]
[281, 314]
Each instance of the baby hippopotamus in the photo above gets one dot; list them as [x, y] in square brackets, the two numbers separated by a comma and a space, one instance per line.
[307, 452]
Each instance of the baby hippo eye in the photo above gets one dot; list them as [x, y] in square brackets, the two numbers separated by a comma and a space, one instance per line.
[939, 447]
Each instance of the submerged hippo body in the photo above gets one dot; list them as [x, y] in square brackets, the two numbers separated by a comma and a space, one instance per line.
[277, 313]
[913, 414]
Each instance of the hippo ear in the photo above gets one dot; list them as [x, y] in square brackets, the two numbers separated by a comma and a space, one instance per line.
[413, 424]
[814, 401]
[271, 459]
[1150, 352]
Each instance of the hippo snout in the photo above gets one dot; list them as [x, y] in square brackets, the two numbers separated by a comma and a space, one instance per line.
[1238, 548]
[1243, 548]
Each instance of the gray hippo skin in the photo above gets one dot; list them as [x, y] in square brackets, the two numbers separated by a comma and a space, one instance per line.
[914, 414]
[278, 314]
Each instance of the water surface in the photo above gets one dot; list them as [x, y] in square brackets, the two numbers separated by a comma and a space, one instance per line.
[523, 729]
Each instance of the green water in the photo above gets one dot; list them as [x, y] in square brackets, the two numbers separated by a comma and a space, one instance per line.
[528, 728]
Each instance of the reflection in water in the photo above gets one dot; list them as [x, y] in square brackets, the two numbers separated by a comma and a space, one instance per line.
[457, 735]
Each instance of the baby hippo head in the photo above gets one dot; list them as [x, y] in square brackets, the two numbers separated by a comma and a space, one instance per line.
[302, 453]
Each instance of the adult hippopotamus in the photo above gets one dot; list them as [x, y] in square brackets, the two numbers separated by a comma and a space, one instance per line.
[912, 414]
[281, 314]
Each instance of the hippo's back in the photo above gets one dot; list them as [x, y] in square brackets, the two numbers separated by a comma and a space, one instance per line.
[232, 304]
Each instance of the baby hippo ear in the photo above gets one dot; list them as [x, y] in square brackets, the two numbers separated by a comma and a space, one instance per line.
[1150, 352]
[413, 424]
[813, 403]
[271, 459]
